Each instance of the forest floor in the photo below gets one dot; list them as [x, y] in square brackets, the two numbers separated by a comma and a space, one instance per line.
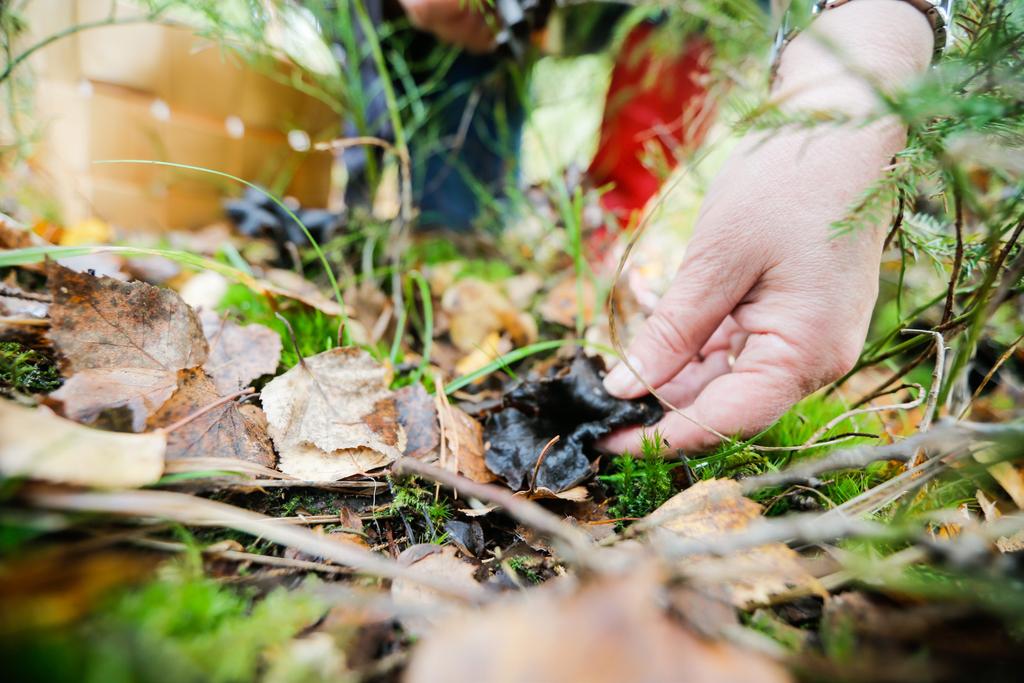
[221, 464]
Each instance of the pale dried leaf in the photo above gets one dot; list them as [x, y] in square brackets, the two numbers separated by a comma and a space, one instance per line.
[610, 631]
[1005, 544]
[428, 559]
[222, 431]
[37, 444]
[1011, 478]
[477, 308]
[291, 285]
[333, 416]
[464, 439]
[563, 302]
[17, 307]
[491, 348]
[115, 398]
[238, 354]
[576, 494]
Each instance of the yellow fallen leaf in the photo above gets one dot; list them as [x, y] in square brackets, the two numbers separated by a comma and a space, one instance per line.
[87, 231]
[490, 348]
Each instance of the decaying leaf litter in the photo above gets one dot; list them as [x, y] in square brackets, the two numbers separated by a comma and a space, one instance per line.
[465, 534]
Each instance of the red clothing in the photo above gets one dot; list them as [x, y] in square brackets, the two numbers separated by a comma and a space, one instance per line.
[655, 102]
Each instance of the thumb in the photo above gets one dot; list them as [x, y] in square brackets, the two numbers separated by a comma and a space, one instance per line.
[704, 292]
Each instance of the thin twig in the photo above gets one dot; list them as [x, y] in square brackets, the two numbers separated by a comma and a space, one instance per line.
[205, 409]
[540, 460]
[1005, 356]
[240, 556]
[958, 256]
[882, 388]
[949, 438]
[937, 376]
[194, 511]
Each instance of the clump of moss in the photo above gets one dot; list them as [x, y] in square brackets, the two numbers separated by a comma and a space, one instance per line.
[26, 371]
[415, 504]
[522, 567]
[640, 484]
[183, 626]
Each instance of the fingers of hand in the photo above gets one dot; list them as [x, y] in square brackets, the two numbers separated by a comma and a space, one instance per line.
[705, 291]
[452, 21]
[768, 377]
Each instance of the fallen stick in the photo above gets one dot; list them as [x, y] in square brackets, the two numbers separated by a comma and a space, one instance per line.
[946, 438]
[193, 511]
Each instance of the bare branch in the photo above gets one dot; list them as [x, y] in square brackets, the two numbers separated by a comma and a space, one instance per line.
[195, 511]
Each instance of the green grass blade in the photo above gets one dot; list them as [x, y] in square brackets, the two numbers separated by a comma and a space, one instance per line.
[519, 354]
[284, 207]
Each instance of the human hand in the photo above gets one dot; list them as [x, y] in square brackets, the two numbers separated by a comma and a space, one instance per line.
[457, 22]
[770, 303]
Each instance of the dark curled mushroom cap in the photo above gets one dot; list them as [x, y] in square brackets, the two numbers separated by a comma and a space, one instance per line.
[571, 404]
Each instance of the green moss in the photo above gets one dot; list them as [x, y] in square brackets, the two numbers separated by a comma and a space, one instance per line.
[736, 459]
[434, 251]
[419, 507]
[521, 566]
[641, 484]
[181, 627]
[26, 371]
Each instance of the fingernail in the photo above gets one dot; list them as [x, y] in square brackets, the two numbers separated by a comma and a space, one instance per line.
[621, 381]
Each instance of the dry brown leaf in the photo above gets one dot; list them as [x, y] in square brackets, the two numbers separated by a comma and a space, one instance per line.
[612, 630]
[418, 416]
[223, 431]
[464, 440]
[477, 308]
[440, 561]
[716, 507]
[104, 323]
[333, 416]
[38, 444]
[123, 343]
[238, 354]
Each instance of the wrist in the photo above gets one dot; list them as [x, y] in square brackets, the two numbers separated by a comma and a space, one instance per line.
[849, 53]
